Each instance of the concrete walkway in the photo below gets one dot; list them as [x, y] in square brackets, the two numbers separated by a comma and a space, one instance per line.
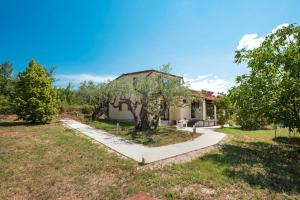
[140, 152]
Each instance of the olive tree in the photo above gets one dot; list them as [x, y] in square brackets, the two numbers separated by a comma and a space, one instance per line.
[147, 96]
[95, 95]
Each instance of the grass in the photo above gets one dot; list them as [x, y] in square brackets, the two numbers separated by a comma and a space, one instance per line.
[162, 136]
[53, 162]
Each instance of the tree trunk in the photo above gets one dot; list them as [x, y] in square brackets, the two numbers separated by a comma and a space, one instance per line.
[144, 123]
[135, 117]
[163, 110]
[94, 115]
[156, 121]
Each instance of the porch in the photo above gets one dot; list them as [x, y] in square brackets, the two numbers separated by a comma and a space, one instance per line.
[201, 113]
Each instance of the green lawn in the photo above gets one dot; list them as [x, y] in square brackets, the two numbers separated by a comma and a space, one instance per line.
[162, 136]
[51, 162]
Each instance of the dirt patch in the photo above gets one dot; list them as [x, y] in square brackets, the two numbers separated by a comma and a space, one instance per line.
[141, 196]
[72, 197]
[198, 189]
[96, 182]
[102, 180]
[8, 117]
[13, 133]
[75, 116]
[21, 194]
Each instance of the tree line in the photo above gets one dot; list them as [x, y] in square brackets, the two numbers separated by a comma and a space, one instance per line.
[268, 94]
[29, 94]
[32, 96]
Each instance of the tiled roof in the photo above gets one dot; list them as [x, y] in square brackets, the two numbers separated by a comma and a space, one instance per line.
[208, 95]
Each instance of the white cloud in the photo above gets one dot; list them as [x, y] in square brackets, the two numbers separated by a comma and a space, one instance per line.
[279, 27]
[208, 82]
[252, 41]
[64, 79]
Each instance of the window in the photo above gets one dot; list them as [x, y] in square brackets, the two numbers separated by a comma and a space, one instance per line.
[120, 107]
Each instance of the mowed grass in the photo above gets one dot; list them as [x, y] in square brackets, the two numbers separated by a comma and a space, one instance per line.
[53, 162]
[162, 136]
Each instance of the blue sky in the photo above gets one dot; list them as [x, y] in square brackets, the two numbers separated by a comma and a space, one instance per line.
[99, 40]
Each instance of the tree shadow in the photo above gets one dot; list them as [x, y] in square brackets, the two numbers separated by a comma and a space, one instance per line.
[294, 141]
[16, 123]
[269, 166]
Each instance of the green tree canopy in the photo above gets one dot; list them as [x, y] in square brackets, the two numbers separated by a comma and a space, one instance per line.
[7, 89]
[95, 95]
[36, 99]
[6, 79]
[270, 92]
[67, 95]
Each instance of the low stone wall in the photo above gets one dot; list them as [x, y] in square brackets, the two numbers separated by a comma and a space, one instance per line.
[205, 123]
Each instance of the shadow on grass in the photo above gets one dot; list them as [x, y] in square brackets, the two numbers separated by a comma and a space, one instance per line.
[239, 128]
[17, 123]
[293, 141]
[269, 166]
[114, 122]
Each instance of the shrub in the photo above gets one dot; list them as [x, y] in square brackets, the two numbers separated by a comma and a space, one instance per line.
[86, 109]
[230, 122]
[143, 139]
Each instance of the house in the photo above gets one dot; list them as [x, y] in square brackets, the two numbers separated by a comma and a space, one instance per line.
[201, 111]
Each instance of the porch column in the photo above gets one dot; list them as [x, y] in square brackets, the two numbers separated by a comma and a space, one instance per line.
[203, 109]
[215, 114]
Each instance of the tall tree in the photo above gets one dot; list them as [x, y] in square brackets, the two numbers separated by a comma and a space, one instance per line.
[7, 89]
[271, 90]
[6, 78]
[36, 98]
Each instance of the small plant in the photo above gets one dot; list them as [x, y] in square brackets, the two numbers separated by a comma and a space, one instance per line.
[86, 109]
[230, 122]
[143, 139]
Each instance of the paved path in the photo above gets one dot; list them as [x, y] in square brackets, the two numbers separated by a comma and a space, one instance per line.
[139, 152]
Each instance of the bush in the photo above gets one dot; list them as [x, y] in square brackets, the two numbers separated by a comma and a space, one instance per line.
[86, 109]
[250, 121]
[230, 122]
[143, 139]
